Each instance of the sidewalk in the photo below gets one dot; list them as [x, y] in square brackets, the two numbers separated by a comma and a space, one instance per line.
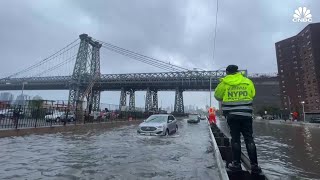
[290, 123]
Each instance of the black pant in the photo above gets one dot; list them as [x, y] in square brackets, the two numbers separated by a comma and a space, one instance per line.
[242, 124]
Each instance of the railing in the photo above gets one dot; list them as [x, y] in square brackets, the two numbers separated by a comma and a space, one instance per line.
[34, 114]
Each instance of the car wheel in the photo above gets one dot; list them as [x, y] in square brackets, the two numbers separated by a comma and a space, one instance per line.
[71, 119]
[176, 128]
[58, 120]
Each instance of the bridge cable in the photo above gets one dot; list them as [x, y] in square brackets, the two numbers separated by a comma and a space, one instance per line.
[139, 57]
[145, 57]
[57, 66]
[161, 66]
[51, 57]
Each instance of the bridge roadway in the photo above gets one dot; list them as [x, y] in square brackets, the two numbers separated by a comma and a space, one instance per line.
[119, 153]
[189, 81]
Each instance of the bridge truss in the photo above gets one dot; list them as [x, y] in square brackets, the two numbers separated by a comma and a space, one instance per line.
[87, 67]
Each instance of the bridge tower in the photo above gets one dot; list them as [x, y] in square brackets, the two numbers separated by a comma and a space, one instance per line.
[148, 103]
[132, 100]
[155, 99]
[86, 67]
[151, 100]
[178, 104]
[123, 98]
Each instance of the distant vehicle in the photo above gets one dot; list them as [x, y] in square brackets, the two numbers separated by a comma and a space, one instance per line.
[268, 117]
[70, 118]
[258, 117]
[315, 120]
[203, 117]
[8, 113]
[3, 113]
[194, 118]
[158, 124]
[55, 116]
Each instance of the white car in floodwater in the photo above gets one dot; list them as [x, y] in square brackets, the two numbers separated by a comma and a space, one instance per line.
[159, 124]
[55, 116]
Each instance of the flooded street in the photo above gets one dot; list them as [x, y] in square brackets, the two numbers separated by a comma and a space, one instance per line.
[112, 154]
[285, 151]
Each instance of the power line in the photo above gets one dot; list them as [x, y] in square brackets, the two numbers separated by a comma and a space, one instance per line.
[215, 32]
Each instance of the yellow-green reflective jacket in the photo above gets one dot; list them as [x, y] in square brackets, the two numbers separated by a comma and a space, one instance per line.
[236, 93]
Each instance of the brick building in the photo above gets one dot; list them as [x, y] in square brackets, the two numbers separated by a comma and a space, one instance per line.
[298, 59]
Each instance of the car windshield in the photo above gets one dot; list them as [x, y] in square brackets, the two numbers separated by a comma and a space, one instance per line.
[157, 119]
[194, 116]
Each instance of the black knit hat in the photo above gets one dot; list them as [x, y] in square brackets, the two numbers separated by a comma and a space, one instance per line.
[231, 69]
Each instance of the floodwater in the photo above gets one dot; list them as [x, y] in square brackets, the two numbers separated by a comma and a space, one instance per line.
[287, 152]
[111, 154]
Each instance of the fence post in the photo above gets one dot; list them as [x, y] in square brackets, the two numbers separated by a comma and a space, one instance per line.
[37, 115]
[17, 117]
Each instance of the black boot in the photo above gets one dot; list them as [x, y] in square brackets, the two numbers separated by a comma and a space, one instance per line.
[255, 169]
[235, 166]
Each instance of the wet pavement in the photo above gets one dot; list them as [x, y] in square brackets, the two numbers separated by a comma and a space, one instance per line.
[287, 152]
[111, 154]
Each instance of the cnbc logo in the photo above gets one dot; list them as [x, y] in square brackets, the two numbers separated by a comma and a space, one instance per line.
[302, 14]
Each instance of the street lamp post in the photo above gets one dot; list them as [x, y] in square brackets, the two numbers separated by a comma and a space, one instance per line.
[210, 79]
[304, 114]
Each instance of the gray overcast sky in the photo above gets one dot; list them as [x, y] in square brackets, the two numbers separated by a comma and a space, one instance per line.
[177, 30]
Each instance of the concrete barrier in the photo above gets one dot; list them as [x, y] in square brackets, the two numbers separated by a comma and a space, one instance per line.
[220, 163]
[67, 128]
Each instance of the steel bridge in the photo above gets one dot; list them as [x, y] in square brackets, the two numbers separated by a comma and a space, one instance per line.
[88, 63]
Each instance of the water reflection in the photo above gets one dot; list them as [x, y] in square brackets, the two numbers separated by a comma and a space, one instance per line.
[287, 152]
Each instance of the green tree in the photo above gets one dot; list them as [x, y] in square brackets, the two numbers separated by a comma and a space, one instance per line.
[36, 108]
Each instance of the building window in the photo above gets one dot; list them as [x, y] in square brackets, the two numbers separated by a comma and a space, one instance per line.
[281, 70]
[295, 62]
[293, 46]
[296, 73]
[282, 81]
[278, 45]
[308, 36]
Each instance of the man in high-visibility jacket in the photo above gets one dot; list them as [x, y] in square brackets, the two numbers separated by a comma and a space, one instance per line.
[236, 93]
